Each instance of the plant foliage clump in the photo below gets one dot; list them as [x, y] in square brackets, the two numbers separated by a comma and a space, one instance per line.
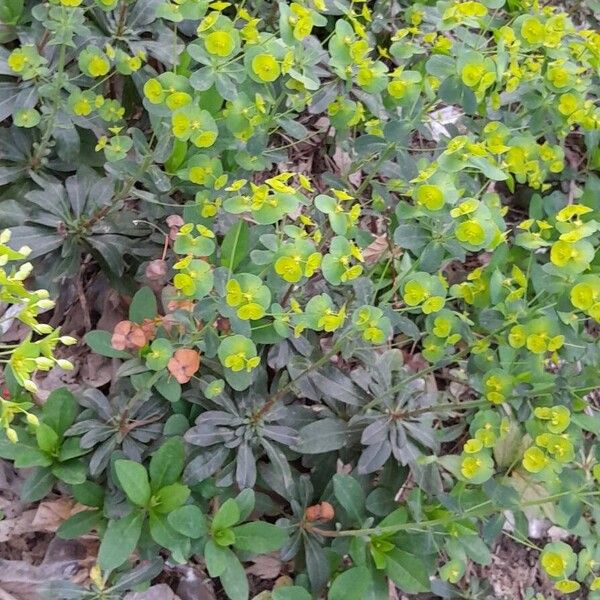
[360, 243]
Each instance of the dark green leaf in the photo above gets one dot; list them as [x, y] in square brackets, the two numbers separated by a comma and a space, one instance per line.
[234, 580]
[259, 538]
[143, 306]
[216, 558]
[99, 342]
[79, 524]
[119, 541]
[144, 572]
[169, 388]
[407, 571]
[71, 471]
[89, 493]
[163, 534]
[27, 457]
[317, 565]
[324, 435]
[350, 585]
[37, 485]
[59, 410]
[235, 245]
[293, 592]
[350, 495]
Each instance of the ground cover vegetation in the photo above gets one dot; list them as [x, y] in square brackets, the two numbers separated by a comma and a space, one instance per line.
[358, 241]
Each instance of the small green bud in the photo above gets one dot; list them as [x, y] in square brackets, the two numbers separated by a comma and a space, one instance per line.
[12, 436]
[24, 272]
[32, 420]
[45, 303]
[44, 363]
[30, 386]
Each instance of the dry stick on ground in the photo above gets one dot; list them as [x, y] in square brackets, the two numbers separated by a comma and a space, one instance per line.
[82, 299]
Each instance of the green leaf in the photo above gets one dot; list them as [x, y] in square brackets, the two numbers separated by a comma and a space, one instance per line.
[159, 354]
[119, 541]
[350, 495]
[324, 435]
[139, 576]
[317, 566]
[47, 438]
[350, 585]
[170, 497]
[216, 558]
[163, 534]
[70, 448]
[176, 425]
[293, 128]
[246, 501]
[177, 156]
[166, 464]
[440, 66]
[27, 457]
[293, 592]
[73, 472]
[79, 524]
[259, 537]
[488, 169]
[143, 306]
[407, 571]
[59, 410]
[396, 517]
[188, 520]
[234, 580]
[169, 388]
[99, 342]
[37, 485]
[10, 11]
[227, 515]
[476, 549]
[89, 493]
[235, 245]
[133, 479]
[224, 537]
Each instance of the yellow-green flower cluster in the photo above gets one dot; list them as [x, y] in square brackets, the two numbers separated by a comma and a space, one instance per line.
[27, 357]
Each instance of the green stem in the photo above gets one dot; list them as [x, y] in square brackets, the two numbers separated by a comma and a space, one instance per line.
[105, 210]
[286, 388]
[42, 146]
[472, 512]
[375, 169]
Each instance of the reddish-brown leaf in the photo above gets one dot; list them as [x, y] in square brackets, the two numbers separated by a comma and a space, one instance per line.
[183, 364]
[128, 335]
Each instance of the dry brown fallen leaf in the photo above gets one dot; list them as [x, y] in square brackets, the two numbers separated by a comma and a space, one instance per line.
[97, 370]
[127, 335]
[266, 566]
[376, 249]
[157, 592]
[46, 518]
